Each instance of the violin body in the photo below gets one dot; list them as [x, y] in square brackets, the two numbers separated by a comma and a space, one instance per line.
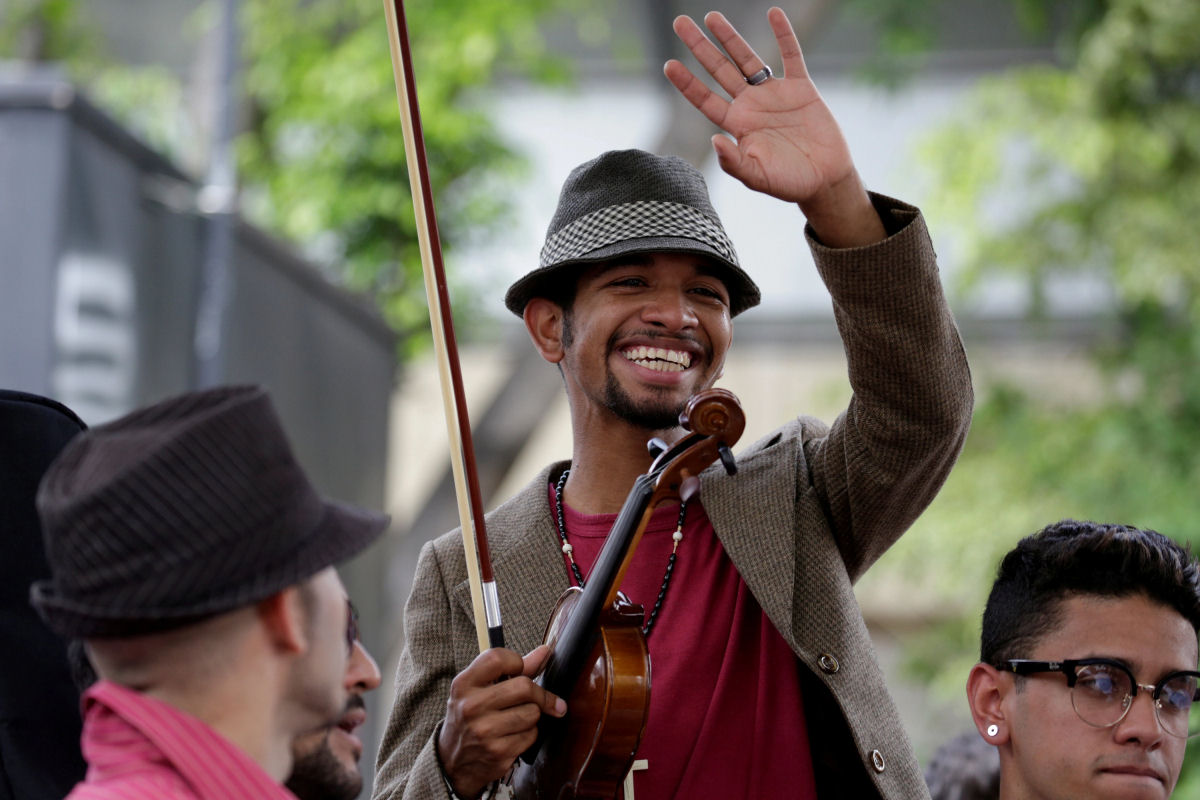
[612, 693]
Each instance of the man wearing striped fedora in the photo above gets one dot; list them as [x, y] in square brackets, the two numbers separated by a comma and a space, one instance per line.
[190, 552]
[764, 680]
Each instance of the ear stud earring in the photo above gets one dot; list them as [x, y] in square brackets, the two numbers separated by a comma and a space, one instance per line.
[992, 730]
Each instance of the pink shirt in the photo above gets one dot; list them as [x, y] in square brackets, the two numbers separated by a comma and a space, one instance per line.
[726, 714]
[140, 748]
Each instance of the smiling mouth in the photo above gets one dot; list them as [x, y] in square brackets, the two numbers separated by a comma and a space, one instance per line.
[659, 359]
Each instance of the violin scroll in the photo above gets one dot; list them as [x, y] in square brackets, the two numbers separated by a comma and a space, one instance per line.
[716, 422]
[714, 412]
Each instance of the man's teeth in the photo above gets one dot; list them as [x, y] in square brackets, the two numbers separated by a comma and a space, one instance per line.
[659, 358]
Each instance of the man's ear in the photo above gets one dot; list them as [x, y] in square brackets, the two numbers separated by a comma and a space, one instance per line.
[544, 321]
[284, 616]
[986, 691]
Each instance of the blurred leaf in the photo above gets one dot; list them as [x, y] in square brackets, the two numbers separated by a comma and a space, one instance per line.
[324, 159]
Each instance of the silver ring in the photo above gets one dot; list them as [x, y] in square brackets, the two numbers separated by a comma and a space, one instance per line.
[762, 76]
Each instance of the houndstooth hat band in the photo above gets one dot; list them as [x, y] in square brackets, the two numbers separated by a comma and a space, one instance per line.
[625, 202]
[634, 221]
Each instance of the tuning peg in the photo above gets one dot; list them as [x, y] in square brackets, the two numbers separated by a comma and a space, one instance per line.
[657, 447]
[727, 459]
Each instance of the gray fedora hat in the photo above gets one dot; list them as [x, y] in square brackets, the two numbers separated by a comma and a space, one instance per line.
[182, 510]
[631, 201]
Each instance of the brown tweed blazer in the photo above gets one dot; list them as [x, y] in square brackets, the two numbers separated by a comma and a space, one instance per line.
[812, 506]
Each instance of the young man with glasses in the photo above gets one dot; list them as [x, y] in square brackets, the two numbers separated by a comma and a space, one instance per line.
[1087, 681]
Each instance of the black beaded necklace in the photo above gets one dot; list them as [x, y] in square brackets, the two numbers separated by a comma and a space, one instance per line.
[569, 550]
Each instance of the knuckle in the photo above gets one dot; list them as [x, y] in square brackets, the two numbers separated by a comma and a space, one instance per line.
[470, 707]
[496, 661]
[525, 740]
[529, 715]
[494, 749]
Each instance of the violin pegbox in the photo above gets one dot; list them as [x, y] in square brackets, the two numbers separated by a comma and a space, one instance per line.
[715, 420]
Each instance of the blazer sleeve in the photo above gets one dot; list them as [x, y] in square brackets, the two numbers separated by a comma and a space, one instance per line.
[407, 766]
[883, 460]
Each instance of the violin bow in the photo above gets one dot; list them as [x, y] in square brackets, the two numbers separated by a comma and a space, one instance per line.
[485, 601]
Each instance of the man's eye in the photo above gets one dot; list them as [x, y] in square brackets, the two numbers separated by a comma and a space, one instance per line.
[1099, 682]
[1179, 694]
[705, 291]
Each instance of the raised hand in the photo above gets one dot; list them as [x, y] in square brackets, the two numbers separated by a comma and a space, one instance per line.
[786, 141]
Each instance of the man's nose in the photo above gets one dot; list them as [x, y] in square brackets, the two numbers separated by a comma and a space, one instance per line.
[1141, 722]
[362, 672]
[671, 309]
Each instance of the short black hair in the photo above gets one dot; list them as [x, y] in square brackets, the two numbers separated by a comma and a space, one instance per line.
[1082, 558]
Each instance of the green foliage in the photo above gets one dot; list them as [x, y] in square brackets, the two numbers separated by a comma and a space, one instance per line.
[1106, 157]
[323, 160]
[1103, 158]
[150, 100]
[906, 30]
[906, 33]
[321, 156]
[147, 98]
[45, 30]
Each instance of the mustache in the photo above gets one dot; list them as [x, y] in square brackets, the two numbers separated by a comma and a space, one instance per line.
[354, 702]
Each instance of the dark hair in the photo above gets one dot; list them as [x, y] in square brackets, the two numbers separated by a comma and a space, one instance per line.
[83, 674]
[561, 292]
[1089, 558]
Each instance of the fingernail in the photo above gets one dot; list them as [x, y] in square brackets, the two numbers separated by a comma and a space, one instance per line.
[560, 706]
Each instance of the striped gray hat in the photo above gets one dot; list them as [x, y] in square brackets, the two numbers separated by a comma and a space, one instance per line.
[183, 510]
[631, 201]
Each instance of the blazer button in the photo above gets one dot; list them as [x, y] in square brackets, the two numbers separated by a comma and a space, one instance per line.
[828, 663]
[877, 761]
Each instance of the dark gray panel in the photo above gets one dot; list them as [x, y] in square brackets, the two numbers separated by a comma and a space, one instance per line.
[33, 145]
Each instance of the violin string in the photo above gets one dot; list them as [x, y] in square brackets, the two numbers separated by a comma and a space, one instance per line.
[569, 550]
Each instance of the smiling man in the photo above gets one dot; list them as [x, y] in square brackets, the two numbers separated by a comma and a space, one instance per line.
[765, 683]
[1087, 683]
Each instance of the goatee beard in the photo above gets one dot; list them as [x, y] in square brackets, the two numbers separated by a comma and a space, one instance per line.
[653, 416]
[319, 774]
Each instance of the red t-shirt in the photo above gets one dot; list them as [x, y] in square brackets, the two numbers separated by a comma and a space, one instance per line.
[726, 715]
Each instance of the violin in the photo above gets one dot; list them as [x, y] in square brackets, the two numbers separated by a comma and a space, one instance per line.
[599, 662]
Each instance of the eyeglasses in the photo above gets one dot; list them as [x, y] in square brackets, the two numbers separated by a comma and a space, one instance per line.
[351, 625]
[1103, 689]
